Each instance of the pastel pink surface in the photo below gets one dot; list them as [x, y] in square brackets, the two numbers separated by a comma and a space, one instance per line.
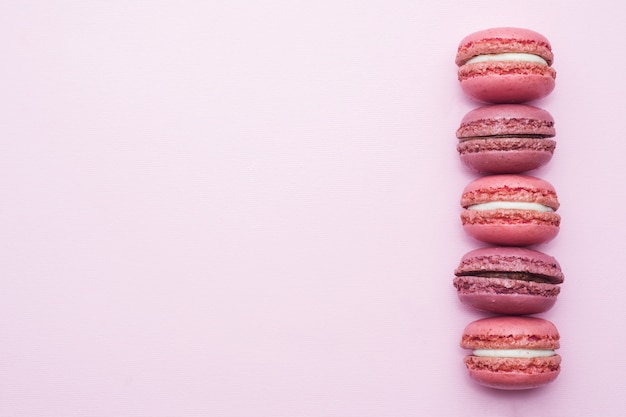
[506, 138]
[239, 208]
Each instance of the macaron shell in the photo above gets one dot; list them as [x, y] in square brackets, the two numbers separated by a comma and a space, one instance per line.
[513, 304]
[506, 119]
[503, 84]
[503, 161]
[504, 39]
[510, 259]
[510, 332]
[520, 375]
[510, 188]
[502, 233]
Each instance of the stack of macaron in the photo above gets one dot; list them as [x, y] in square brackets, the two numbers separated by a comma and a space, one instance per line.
[507, 209]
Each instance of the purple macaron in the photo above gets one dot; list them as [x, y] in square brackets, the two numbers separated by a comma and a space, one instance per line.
[506, 138]
[508, 280]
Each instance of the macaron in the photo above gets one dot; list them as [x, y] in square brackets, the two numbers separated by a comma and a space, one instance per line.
[512, 352]
[505, 65]
[508, 280]
[510, 210]
[506, 138]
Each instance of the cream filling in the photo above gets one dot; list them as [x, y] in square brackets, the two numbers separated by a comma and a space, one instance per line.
[512, 205]
[514, 353]
[508, 56]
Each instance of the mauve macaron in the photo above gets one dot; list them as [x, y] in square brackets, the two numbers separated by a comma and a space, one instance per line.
[506, 65]
[508, 280]
[506, 138]
[510, 210]
[512, 352]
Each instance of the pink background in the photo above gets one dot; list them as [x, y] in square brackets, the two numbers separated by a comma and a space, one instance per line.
[250, 208]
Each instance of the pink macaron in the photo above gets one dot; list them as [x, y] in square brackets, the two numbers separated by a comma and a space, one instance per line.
[506, 138]
[506, 65]
[510, 210]
[512, 352]
[508, 280]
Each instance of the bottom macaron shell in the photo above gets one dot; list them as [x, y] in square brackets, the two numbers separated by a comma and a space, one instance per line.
[512, 234]
[512, 88]
[513, 374]
[500, 162]
[513, 304]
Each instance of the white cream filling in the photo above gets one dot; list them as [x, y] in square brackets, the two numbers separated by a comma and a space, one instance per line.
[513, 205]
[514, 353]
[508, 56]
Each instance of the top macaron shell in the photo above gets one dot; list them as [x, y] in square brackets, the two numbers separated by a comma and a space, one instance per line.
[496, 80]
[510, 332]
[506, 138]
